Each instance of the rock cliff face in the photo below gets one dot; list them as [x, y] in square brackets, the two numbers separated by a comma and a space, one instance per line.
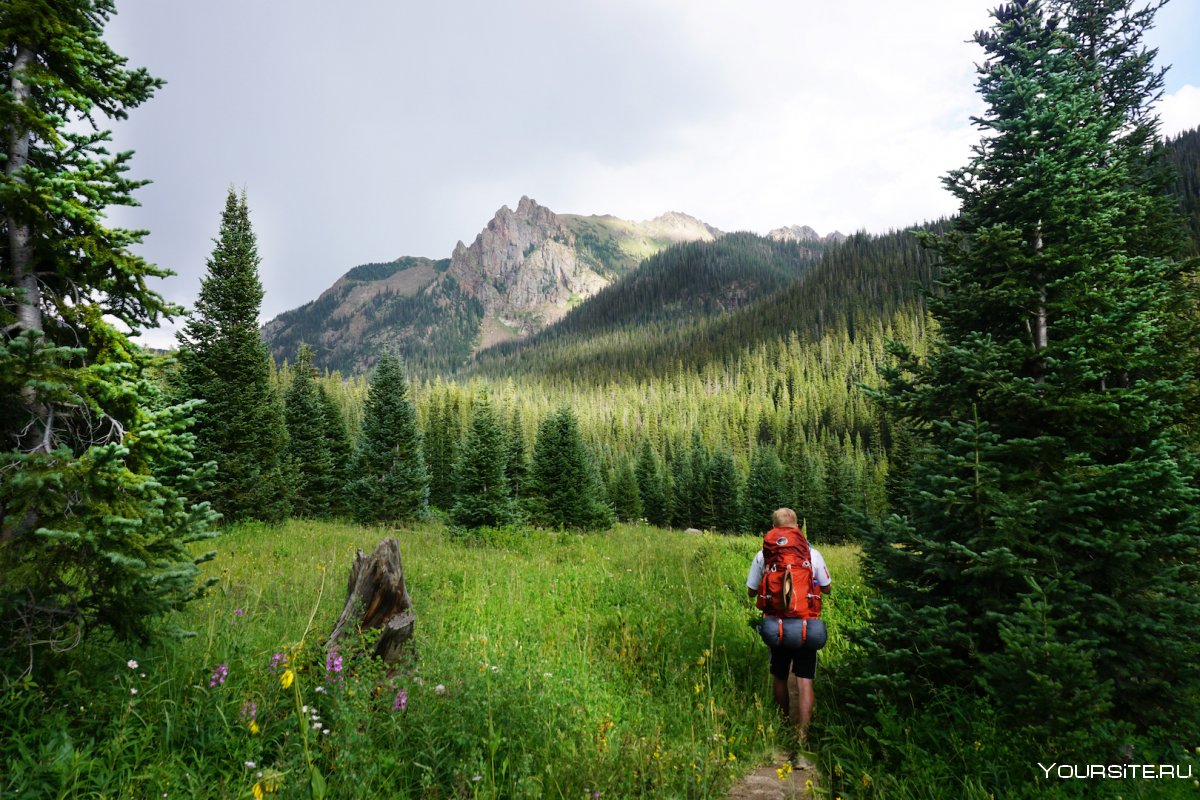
[803, 233]
[522, 272]
[525, 267]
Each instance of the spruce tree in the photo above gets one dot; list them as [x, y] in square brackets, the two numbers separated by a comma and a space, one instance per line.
[389, 480]
[96, 471]
[623, 493]
[516, 467]
[481, 492]
[766, 490]
[650, 488]
[337, 444]
[1049, 553]
[308, 445]
[725, 493]
[223, 362]
[564, 490]
[441, 448]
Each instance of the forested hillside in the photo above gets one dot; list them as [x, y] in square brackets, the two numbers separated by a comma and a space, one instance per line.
[1183, 154]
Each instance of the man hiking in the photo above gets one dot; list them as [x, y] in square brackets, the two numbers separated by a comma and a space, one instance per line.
[788, 578]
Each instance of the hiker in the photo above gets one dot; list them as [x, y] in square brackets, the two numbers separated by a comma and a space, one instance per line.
[786, 554]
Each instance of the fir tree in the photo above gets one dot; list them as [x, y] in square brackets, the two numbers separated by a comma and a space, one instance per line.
[441, 449]
[724, 491]
[650, 488]
[337, 444]
[516, 467]
[481, 493]
[223, 362]
[766, 490]
[308, 445]
[389, 480]
[623, 493]
[1055, 493]
[95, 513]
[564, 491]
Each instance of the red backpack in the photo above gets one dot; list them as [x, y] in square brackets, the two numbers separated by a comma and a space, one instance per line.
[789, 587]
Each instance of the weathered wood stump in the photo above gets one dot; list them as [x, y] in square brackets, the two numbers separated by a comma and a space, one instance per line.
[376, 597]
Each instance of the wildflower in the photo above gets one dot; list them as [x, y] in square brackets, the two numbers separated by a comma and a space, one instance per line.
[401, 701]
[142, 674]
[325, 732]
[547, 674]
[278, 660]
[495, 668]
[249, 710]
[476, 777]
[257, 790]
[784, 771]
[319, 690]
[131, 664]
[218, 676]
[333, 661]
[239, 612]
[697, 688]
[303, 709]
[250, 765]
[133, 690]
[254, 727]
[700, 661]
[439, 690]
[732, 757]
[285, 680]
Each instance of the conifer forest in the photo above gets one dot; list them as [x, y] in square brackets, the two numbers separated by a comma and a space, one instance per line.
[989, 424]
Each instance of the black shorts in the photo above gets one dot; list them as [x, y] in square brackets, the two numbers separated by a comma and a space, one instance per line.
[803, 662]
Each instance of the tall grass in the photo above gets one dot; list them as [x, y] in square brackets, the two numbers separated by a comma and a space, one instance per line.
[549, 665]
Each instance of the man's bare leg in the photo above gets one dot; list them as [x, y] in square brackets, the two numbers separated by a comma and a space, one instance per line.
[805, 685]
[779, 688]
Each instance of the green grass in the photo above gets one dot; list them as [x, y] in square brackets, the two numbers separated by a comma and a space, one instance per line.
[618, 664]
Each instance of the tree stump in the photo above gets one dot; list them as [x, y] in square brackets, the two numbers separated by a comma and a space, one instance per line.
[377, 598]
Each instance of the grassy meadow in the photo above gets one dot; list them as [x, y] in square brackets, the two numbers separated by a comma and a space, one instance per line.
[550, 665]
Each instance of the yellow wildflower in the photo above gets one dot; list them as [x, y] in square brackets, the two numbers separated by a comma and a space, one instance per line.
[285, 680]
[254, 727]
[732, 757]
[697, 688]
[258, 791]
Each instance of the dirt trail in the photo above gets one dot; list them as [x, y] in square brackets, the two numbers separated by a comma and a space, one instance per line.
[766, 783]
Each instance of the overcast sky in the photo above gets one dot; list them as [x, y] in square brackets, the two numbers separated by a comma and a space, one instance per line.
[371, 129]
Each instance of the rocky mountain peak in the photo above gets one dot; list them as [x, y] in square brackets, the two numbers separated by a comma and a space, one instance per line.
[803, 233]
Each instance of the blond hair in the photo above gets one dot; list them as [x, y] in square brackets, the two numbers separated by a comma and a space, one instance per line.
[784, 518]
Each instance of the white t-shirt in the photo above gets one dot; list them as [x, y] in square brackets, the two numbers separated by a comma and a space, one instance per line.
[820, 571]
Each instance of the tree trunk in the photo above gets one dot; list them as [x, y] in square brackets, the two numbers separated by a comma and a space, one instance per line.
[376, 597]
[29, 307]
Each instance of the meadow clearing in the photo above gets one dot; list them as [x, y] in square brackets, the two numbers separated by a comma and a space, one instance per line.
[549, 665]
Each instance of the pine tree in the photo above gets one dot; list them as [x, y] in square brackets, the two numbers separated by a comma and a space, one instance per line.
[725, 493]
[564, 490]
[95, 512]
[650, 488]
[766, 490]
[223, 362]
[1055, 493]
[623, 493]
[337, 444]
[481, 492]
[516, 468]
[441, 449]
[308, 445]
[390, 482]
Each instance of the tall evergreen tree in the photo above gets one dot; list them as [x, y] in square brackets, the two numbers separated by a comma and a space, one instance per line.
[308, 445]
[724, 492]
[766, 490]
[481, 493]
[337, 444]
[441, 448]
[223, 362]
[650, 487]
[623, 493]
[516, 468]
[96, 470]
[564, 490]
[1050, 551]
[390, 482]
